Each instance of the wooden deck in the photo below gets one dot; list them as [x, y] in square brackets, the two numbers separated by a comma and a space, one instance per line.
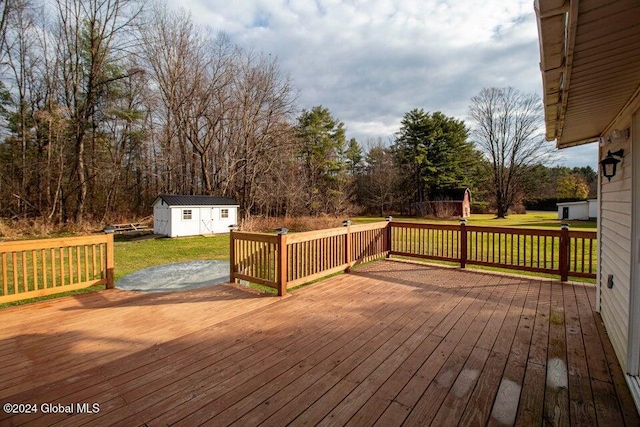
[391, 343]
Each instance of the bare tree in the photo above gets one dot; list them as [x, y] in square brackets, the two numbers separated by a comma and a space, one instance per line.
[5, 10]
[379, 183]
[225, 110]
[193, 75]
[88, 35]
[264, 98]
[21, 59]
[507, 128]
[89, 136]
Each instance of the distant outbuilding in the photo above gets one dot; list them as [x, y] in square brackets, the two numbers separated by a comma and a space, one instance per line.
[584, 210]
[178, 215]
[451, 202]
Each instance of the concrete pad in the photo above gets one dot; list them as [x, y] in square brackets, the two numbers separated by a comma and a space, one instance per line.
[174, 277]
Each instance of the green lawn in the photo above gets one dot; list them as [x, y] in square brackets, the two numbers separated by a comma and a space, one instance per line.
[532, 219]
[133, 255]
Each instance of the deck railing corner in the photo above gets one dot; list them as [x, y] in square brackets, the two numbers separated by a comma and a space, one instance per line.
[285, 261]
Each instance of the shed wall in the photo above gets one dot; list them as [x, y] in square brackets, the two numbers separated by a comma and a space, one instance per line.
[161, 219]
[204, 220]
[184, 227]
[577, 210]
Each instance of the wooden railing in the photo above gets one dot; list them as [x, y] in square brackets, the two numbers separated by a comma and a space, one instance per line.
[315, 254]
[33, 268]
[563, 252]
[255, 257]
[284, 261]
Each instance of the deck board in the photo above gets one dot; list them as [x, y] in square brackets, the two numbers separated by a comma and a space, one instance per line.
[391, 343]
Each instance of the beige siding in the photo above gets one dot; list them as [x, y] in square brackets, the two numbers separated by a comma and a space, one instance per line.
[615, 225]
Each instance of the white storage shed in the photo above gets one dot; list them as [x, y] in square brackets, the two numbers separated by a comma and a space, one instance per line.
[584, 210]
[176, 215]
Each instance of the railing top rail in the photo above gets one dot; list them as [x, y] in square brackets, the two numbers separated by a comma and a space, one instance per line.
[379, 225]
[496, 229]
[23, 245]
[256, 237]
[581, 234]
[307, 236]
[514, 230]
[425, 225]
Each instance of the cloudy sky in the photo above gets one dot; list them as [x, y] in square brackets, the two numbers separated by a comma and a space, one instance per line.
[371, 61]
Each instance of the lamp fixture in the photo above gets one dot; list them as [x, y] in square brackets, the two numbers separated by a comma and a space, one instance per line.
[610, 163]
[616, 135]
[619, 135]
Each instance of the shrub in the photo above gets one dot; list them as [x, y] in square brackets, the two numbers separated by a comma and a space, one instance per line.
[547, 204]
[480, 208]
[301, 223]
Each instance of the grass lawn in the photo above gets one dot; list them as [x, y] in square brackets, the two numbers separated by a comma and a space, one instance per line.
[133, 255]
[532, 219]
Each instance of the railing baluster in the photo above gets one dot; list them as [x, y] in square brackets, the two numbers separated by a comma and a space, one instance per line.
[43, 259]
[78, 265]
[591, 251]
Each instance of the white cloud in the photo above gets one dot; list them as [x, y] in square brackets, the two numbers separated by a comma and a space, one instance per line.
[371, 61]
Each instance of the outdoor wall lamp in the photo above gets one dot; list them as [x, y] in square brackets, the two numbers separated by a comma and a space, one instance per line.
[610, 163]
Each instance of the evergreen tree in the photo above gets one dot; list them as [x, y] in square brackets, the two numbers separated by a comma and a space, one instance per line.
[323, 145]
[353, 157]
[432, 152]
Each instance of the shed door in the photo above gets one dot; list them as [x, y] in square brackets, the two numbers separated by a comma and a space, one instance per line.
[206, 221]
[565, 212]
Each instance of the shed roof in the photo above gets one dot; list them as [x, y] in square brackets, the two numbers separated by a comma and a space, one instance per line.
[454, 194]
[580, 202]
[185, 200]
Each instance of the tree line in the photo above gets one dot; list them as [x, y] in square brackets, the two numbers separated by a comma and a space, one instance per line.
[106, 104]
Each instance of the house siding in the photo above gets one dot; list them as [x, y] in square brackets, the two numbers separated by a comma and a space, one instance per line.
[615, 242]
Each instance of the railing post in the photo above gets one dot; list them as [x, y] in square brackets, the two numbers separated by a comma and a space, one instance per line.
[110, 262]
[232, 257]
[564, 252]
[463, 243]
[347, 246]
[388, 236]
[282, 262]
